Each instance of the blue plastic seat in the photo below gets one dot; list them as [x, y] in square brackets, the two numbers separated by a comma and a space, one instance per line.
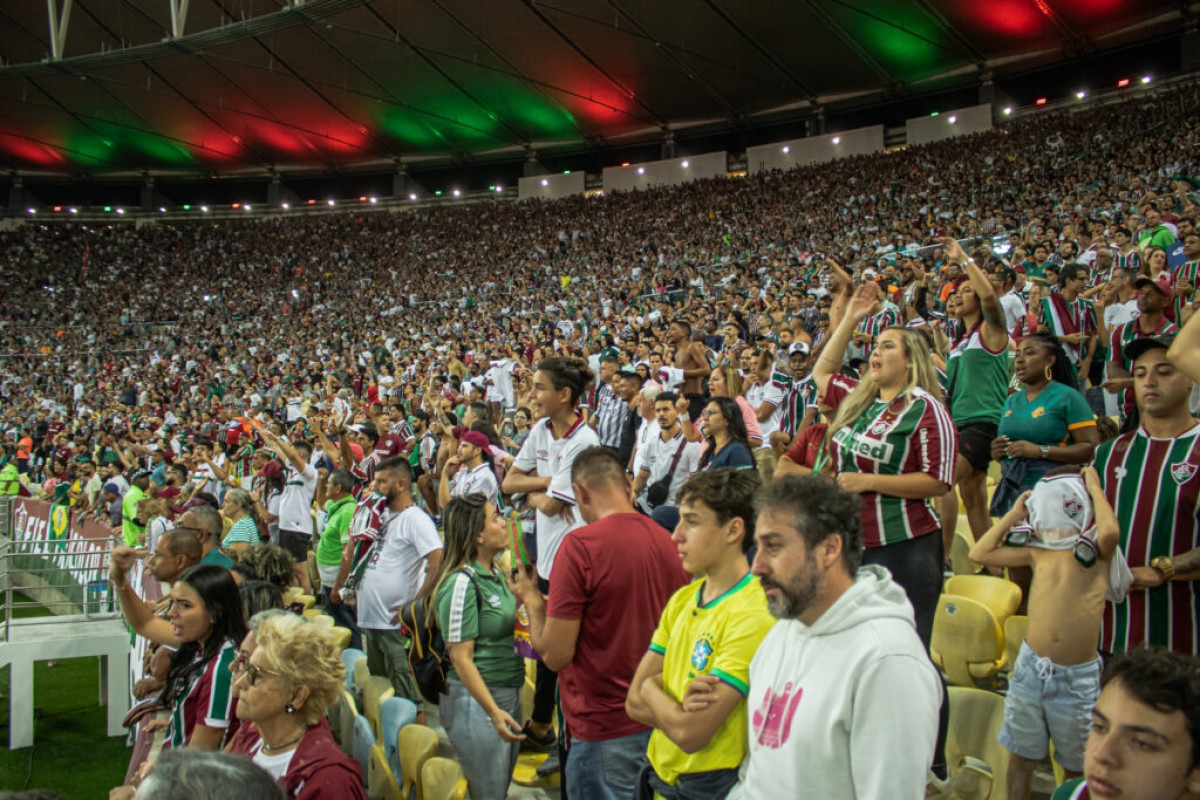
[394, 714]
[364, 738]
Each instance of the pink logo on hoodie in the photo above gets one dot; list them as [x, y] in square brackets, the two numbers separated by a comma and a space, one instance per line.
[772, 722]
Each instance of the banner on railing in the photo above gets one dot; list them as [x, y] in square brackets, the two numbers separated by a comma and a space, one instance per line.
[67, 551]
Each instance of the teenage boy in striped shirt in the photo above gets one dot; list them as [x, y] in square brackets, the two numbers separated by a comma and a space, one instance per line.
[1151, 476]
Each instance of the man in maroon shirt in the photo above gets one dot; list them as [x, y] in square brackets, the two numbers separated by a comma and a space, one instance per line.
[612, 579]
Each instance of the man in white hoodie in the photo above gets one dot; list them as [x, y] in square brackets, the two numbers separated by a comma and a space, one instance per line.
[843, 699]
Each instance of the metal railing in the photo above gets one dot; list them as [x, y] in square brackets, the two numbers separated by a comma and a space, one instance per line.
[65, 576]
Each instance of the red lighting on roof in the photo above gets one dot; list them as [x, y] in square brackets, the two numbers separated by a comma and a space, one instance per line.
[1041, 101]
[237, 205]
[312, 202]
[624, 163]
[58, 208]
[1121, 84]
[362, 199]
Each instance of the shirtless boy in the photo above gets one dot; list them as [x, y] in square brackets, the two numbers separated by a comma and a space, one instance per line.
[1056, 677]
[690, 357]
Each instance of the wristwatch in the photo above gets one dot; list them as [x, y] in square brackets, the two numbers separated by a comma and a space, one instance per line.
[1164, 565]
[1045, 451]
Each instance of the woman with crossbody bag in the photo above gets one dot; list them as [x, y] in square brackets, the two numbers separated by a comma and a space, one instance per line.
[476, 613]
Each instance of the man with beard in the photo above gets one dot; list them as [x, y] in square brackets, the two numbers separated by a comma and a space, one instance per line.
[845, 647]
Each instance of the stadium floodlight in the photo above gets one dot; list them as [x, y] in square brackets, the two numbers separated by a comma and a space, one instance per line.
[499, 188]
[32, 210]
[1007, 110]
[204, 209]
[331, 201]
[74, 210]
[953, 119]
[837, 140]
[284, 206]
[786, 149]
[374, 200]
[457, 193]
[163, 209]
[120, 211]
[1146, 79]
[246, 207]
[545, 182]
[641, 170]
[412, 196]
[1081, 94]
[686, 164]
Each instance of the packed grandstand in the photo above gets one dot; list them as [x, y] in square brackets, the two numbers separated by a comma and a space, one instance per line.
[895, 364]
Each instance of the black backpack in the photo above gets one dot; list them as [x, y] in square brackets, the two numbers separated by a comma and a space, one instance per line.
[428, 655]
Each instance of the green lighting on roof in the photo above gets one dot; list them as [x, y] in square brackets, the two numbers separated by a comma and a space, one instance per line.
[187, 208]
[933, 113]
[438, 192]
[108, 208]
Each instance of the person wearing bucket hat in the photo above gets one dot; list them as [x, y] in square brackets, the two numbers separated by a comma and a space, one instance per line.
[1159, 459]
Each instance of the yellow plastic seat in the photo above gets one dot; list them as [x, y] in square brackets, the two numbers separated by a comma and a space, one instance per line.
[417, 744]
[323, 620]
[975, 719]
[442, 779]
[341, 637]
[314, 574]
[960, 552]
[1000, 595]
[376, 690]
[361, 674]
[381, 783]
[307, 600]
[1015, 628]
[290, 594]
[312, 613]
[967, 643]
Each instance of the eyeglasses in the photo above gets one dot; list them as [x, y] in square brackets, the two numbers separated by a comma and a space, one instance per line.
[241, 663]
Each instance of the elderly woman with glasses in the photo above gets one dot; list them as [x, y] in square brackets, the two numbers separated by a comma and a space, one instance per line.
[286, 673]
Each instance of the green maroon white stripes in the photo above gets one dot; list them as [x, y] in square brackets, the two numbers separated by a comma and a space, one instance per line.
[1153, 485]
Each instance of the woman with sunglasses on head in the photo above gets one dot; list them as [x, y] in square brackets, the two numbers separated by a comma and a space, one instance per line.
[476, 613]
[286, 673]
[204, 624]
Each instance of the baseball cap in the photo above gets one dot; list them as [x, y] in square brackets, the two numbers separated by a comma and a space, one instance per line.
[869, 274]
[112, 488]
[1163, 284]
[798, 347]
[476, 438]
[1139, 347]
[366, 429]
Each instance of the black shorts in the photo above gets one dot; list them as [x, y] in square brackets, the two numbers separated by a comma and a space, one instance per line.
[296, 544]
[975, 444]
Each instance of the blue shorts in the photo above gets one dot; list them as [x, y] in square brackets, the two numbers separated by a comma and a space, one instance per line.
[1046, 701]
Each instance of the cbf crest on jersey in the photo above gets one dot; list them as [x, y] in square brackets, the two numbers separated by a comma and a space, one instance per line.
[701, 653]
[1183, 472]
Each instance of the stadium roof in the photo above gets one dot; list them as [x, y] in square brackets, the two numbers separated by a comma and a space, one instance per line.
[122, 86]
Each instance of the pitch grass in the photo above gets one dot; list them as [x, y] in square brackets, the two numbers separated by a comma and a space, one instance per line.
[71, 753]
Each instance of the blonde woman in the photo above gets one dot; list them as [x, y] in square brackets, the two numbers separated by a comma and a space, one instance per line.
[285, 674]
[476, 612]
[893, 442]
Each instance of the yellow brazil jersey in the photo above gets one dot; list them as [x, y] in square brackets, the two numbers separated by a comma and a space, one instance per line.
[716, 639]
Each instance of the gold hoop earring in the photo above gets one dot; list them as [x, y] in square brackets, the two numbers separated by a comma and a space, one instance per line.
[1048, 374]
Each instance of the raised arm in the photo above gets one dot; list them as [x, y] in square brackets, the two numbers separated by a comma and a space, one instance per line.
[830, 362]
[995, 326]
[1184, 352]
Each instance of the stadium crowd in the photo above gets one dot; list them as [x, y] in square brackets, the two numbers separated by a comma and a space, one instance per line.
[701, 452]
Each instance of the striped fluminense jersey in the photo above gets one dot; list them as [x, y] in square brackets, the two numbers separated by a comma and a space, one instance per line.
[1153, 485]
[913, 433]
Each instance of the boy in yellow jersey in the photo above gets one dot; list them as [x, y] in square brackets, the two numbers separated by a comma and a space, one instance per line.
[709, 631]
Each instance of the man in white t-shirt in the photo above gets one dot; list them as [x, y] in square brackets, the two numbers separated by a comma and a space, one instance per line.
[766, 395]
[295, 506]
[402, 568]
[499, 381]
[663, 453]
